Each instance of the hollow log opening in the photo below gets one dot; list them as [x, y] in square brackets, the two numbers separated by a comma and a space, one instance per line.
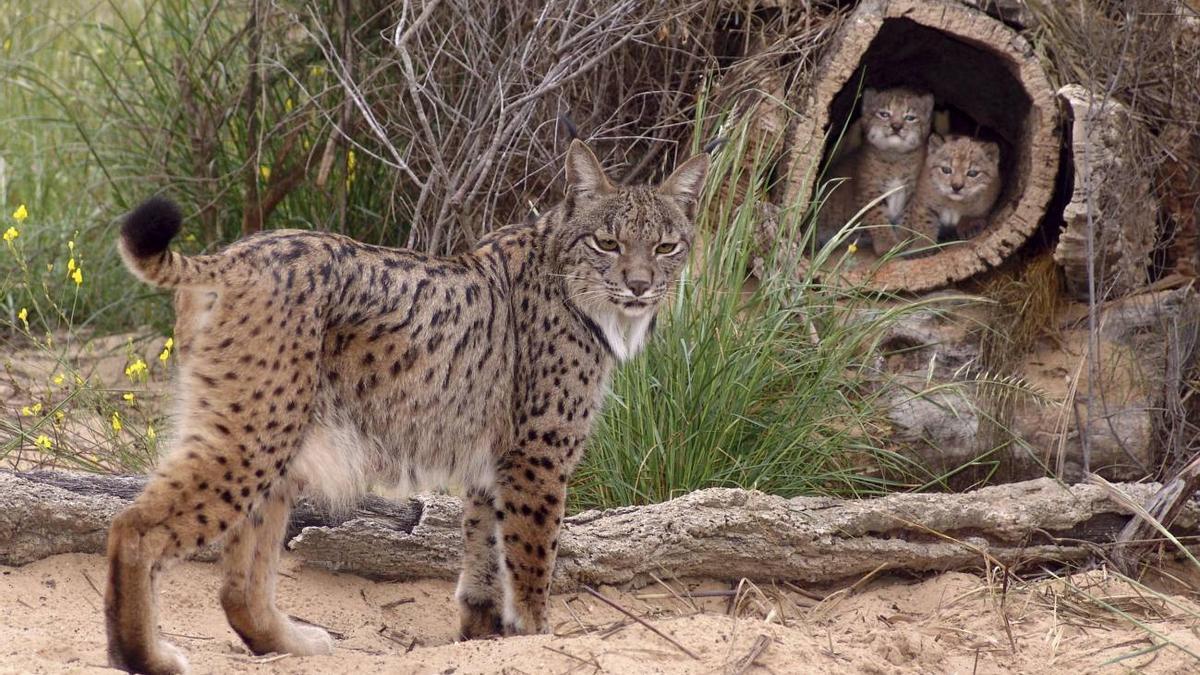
[985, 80]
[979, 95]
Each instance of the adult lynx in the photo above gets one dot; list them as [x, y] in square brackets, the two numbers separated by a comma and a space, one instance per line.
[314, 362]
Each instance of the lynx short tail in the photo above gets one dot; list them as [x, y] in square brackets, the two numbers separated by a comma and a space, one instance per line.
[145, 235]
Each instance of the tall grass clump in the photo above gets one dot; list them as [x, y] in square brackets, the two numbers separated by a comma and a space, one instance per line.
[765, 386]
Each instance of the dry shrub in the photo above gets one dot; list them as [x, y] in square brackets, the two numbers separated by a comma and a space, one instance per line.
[461, 98]
[1146, 55]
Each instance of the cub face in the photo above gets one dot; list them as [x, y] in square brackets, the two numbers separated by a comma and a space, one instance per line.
[962, 168]
[898, 119]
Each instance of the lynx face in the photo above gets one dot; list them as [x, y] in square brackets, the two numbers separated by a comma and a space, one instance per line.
[962, 169]
[896, 120]
[622, 249]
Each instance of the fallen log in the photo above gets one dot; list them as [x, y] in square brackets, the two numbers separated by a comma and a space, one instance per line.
[716, 533]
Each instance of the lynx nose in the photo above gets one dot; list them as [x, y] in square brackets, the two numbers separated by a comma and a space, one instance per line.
[897, 126]
[638, 286]
[957, 185]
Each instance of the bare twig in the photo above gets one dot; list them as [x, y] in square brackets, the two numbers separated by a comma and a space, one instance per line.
[591, 591]
[756, 650]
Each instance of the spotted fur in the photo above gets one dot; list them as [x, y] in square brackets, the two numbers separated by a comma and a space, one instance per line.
[312, 362]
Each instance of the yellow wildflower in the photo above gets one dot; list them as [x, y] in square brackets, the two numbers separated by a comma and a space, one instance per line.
[21, 213]
[166, 351]
[59, 378]
[23, 315]
[351, 161]
[316, 71]
[59, 416]
[7, 45]
[71, 265]
[287, 105]
[43, 441]
[265, 171]
[71, 245]
[128, 396]
[133, 370]
[116, 421]
[853, 247]
[37, 408]
[150, 432]
[11, 233]
[26, 412]
[77, 276]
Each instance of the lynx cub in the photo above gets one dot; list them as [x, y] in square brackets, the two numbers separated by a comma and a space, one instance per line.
[315, 362]
[960, 183]
[894, 124]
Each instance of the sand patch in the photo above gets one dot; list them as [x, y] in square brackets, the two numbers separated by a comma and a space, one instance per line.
[51, 622]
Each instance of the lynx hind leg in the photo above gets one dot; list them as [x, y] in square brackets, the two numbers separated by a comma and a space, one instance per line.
[479, 597]
[250, 561]
[240, 427]
[174, 515]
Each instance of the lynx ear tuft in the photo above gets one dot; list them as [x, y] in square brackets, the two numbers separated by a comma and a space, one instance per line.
[685, 184]
[585, 176]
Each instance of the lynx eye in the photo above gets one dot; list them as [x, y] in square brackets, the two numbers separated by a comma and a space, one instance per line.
[606, 244]
[973, 173]
[945, 169]
[666, 248]
[910, 118]
[883, 114]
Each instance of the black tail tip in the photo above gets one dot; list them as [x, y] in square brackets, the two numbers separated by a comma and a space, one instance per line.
[151, 227]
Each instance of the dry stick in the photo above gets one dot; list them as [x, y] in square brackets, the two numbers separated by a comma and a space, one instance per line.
[392, 635]
[714, 593]
[401, 39]
[567, 654]
[336, 634]
[359, 102]
[575, 616]
[756, 650]
[672, 592]
[591, 591]
[91, 583]
[186, 636]
[396, 603]
[251, 212]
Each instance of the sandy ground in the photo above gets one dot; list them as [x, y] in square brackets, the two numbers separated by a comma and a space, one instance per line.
[50, 622]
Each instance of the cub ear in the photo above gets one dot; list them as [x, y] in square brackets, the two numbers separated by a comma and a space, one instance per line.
[991, 151]
[585, 176]
[685, 184]
[926, 103]
[935, 141]
[870, 97]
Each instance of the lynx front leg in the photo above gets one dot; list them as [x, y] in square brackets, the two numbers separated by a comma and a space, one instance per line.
[479, 598]
[532, 491]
